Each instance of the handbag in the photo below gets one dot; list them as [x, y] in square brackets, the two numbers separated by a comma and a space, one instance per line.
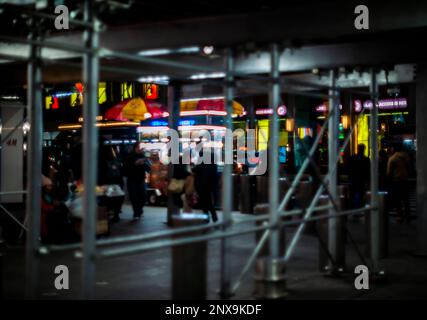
[176, 185]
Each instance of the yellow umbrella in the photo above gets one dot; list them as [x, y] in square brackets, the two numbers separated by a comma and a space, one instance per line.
[135, 109]
[237, 108]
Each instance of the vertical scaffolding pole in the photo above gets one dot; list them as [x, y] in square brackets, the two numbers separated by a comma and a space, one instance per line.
[421, 120]
[34, 167]
[333, 128]
[227, 178]
[174, 98]
[90, 152]
[375, 236]
[273, 157]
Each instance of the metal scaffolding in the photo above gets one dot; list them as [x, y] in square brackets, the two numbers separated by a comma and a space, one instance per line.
[92, 250]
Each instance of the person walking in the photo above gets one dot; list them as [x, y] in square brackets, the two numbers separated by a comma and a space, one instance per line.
[205, 182]
[359, 173]
[136, 168]
[398, 168]
[382, 170]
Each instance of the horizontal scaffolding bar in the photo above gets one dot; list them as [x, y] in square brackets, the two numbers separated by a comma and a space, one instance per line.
[48, 44]
[114, 252]
[324, 87]
[49, 16]
[13, 217]
[168, 233]
[3, 193]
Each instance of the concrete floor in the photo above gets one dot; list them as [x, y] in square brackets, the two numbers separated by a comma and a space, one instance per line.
[148, 275]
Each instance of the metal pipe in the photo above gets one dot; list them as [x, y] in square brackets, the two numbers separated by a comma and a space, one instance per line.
[45, 44]
[333, 130]
[13, 217]
[251, 260]
[175, 64]
[273, 156]
[323, 87]
[13, 57]
[307, 215]
[227, 178]
[151, 60]
[305, 164]
[375, 236]
[10, 133]
[174, 96]
[136, 238]
[167, 233]
[34, 167]
[90, 153]
[49, 16]
[3, 193]
[317, 195]
[129, 250]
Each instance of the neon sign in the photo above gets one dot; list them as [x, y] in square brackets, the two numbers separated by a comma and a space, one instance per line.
[152, 91]
[160, 123]
[281, 111]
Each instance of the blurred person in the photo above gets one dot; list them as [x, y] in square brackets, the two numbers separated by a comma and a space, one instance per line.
[359, 174]
[382, 170]
[178, 185]
[55, 224]
[136, 168]
[398, 169]
[64, 174]
[206, 184]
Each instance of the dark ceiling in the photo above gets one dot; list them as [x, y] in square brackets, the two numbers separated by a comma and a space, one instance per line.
[315, 34]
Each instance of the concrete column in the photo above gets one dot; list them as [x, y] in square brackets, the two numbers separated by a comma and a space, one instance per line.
[421, 135]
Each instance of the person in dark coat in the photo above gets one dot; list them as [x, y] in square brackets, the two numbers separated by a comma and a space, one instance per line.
[205, 182]
[398, 170]
[359, 174]
[136, 168]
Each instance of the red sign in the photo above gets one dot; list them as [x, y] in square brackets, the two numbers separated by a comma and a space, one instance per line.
[152, 91]
[55, 104]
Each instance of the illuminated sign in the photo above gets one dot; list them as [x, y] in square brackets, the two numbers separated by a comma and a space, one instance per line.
[151, 91]
[55, 104]
[98, 118]
[76, 96]
[281, 111]
[159, 123]
[324, 107]
[264, 111]
[388, 104]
